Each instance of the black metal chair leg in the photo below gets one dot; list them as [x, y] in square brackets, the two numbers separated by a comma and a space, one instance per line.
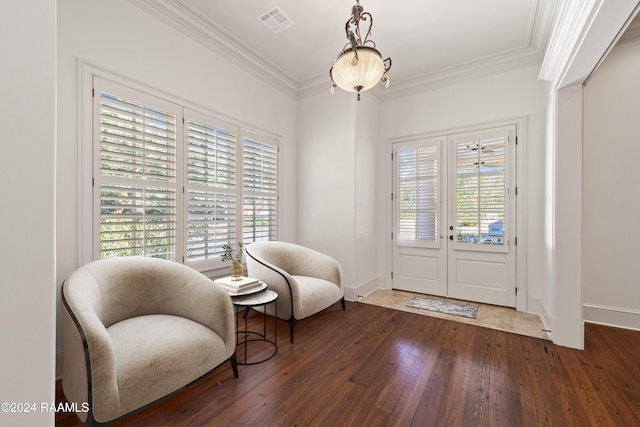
[234, 365]
[344, 307]
[292, 323]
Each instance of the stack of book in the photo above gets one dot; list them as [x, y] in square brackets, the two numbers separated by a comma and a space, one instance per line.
[238, 286]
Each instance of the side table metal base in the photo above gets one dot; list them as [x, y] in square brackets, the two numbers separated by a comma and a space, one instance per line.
[255, 342]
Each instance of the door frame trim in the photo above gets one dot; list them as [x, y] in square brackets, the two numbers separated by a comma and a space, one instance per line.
[520, 123]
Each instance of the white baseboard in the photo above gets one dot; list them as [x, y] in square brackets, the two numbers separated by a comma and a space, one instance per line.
[356, 293]
[612, 316]
[536, 306]
[616, 317]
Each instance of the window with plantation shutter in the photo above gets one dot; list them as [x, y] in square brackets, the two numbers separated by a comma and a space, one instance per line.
[259, 187]
[135, 182]
[480, 190]
[211, 185]
[418, 193]
[174, 183]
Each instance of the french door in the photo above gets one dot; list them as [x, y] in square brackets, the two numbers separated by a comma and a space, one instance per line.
[454, 213]
[420, 255]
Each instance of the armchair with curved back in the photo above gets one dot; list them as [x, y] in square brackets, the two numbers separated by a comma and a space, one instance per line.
[306, 281]
[138, 329]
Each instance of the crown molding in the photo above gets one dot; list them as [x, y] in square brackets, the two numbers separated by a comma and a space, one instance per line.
[314, 85]
[572, 18]
[586, 32]
[190, 22]
[466, 71]
[488, 65]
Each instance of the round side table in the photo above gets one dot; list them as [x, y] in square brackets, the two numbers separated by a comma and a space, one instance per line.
[256, 339]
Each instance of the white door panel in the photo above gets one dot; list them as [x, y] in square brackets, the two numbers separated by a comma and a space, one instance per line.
[481, 280]
[420, 271]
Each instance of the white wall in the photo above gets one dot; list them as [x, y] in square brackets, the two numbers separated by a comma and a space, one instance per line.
[149, 52]
[611, 208]
[369, 180]
[27, 191]
[326, 183]
[511, 94]
[338, 155]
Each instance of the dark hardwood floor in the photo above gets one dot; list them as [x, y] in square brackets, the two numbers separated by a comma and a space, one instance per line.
[373, 366]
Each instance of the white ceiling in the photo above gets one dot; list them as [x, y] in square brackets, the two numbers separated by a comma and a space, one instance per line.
[431, 42]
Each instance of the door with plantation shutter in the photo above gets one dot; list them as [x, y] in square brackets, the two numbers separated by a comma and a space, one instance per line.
[481, 255]
[454, 213]
[419, 251]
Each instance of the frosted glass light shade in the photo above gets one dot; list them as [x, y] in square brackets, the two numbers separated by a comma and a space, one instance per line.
[365, 74]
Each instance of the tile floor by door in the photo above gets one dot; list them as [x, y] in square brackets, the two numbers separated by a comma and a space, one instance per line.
[489, 316]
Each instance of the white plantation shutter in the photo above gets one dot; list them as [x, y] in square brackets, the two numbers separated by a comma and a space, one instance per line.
[211, 223]
[417, 190]
[259, 187]
[480, 195]
[211, 185]
[174, 183]
[136, 174]
[137, 220]
[136, 140]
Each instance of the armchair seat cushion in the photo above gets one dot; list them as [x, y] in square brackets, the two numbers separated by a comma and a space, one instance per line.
[158, 354]
[315, 294]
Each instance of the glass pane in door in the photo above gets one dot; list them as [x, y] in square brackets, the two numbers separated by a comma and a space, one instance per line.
[480, 191]
[418, 194]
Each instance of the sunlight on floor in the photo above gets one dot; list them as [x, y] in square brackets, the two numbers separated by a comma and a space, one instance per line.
[489, 316]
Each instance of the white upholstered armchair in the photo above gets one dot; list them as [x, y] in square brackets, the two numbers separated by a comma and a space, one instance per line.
[137, 329]
[306, 281]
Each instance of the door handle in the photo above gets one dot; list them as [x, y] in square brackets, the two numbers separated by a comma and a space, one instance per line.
[451, 227]
[450, 237]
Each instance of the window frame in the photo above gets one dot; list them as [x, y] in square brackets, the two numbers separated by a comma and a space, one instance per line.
[89, 153]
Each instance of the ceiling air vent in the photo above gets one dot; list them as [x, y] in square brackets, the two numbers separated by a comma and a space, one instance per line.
[275, 19]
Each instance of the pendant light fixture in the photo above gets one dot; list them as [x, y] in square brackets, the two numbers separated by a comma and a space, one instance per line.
[360, 65]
